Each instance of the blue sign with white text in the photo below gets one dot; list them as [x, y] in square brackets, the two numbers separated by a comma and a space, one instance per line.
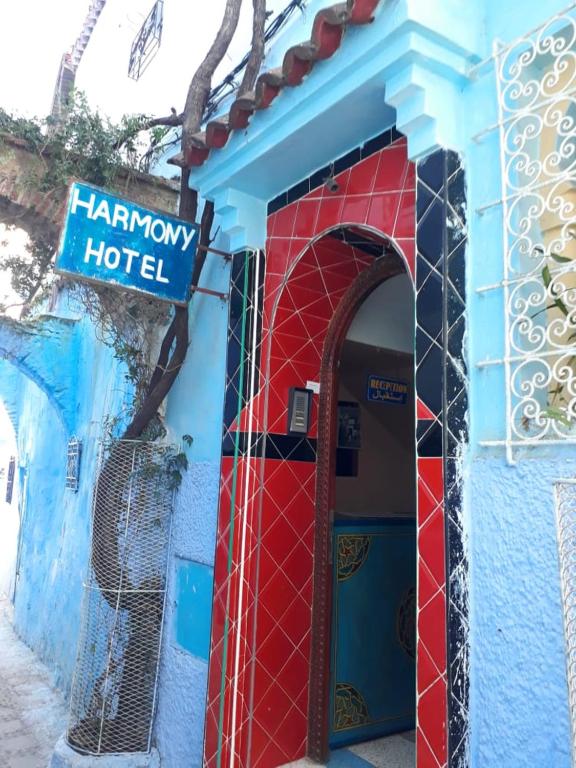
[110, 240]
[382, 390]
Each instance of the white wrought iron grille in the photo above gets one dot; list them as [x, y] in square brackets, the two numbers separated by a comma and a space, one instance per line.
[536, 80]
[565, 504]
[114, 688]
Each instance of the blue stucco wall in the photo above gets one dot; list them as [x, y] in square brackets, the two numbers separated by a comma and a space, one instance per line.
[195, 407]
[520, 715]
[81, 385]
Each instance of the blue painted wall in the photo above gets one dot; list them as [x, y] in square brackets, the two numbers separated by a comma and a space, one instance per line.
[195, 407]
[82, 377]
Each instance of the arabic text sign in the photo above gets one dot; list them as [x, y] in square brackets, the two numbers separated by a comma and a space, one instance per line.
[110, 240]
[382, 390]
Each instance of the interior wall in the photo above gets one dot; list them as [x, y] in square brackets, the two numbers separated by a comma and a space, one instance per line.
[385, 483]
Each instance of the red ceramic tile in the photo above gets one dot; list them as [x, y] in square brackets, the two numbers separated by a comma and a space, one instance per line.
[392, 169]
[275, 597]
[293, 677]
[424, 755]
[427, 586]
[430, 472]
[302, 296]
[278, 255]
[432, 630]
[355, 209]
[298, 565]
[260, 741]
[426, 670]
[291, 733]
[427, 503]
[300, 514]
[306, 217]
[363, 175]
[336, 282]
[432, 719]
[406, 219]
[270, 225]
[310, 279]
[285, 218]
[272, 707]
[383, 211]
[431, 545]
[297, 620]
[297, 249]
[280, 540]
[321, 307]
[270, 757]
[329, 214]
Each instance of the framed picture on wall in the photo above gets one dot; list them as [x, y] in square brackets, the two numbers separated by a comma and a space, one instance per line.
[349, 425]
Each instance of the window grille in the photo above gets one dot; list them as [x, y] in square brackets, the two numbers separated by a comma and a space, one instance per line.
[536, 81]
[10, 479]
[147, 41]
[73, 464]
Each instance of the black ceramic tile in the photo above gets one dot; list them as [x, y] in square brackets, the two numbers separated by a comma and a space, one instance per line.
[298, 191]
[441, 242]
[280, 201]
[424, 199]
[429, 380]
[290, 447]
[456, 270]
[429, 234]
[424, 344]
[319, 177]
[430, 306]
[429, 438]
[378, 143]
[432, 171]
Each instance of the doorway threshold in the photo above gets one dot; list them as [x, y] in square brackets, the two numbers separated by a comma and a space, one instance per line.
[397, 751]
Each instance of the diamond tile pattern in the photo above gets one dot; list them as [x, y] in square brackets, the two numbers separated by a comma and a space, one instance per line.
[442, 435]
[260, 655]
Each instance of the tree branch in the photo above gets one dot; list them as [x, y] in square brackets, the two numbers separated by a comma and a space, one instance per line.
[199, 89]
[257, 48]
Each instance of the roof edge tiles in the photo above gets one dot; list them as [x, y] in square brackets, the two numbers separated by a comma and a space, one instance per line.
[327, 33]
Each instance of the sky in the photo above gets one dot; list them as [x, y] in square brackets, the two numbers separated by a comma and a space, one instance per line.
[34, 34]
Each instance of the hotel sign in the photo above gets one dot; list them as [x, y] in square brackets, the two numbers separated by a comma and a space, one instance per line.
[382, 390]
[106, 239]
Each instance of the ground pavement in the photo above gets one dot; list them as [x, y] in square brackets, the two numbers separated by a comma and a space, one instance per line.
[32, 712]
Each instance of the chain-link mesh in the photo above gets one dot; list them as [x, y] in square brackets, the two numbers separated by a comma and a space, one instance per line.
[565, 493]
[114, 688]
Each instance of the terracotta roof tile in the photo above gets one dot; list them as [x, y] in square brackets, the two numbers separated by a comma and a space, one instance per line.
[327, 32]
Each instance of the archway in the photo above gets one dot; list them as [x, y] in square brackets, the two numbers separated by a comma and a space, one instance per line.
[354, 508]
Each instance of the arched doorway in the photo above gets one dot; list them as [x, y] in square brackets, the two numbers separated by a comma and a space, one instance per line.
[364, 606]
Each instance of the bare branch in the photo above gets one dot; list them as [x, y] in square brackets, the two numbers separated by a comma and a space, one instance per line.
[257, 49]
[199, 89]
[173, 120]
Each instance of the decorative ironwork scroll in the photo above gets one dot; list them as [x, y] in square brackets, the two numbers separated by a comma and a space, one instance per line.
[536, 78]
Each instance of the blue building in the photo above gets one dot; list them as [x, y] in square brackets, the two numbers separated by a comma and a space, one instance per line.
[374, 535]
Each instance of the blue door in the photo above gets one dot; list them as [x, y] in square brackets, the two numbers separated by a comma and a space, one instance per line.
[373, 676]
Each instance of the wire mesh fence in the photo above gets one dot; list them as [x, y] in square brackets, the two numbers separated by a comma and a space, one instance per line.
[114, 687]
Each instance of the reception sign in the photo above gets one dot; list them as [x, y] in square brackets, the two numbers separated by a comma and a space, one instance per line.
[106, 239]
[382, 390]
